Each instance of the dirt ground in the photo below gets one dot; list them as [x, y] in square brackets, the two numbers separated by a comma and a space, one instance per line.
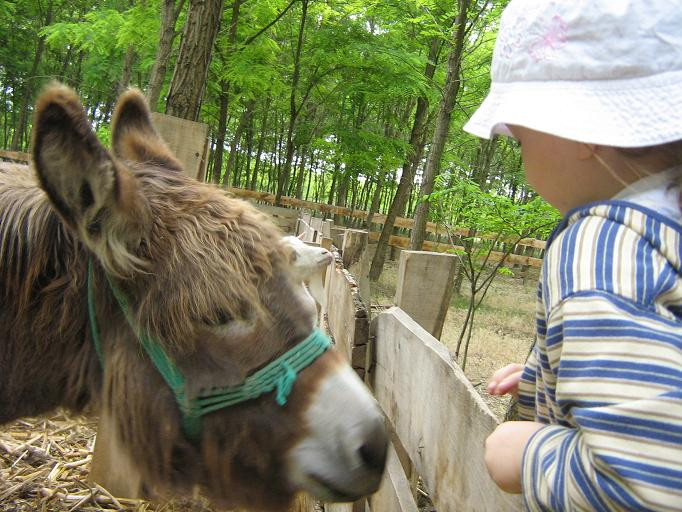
[503, 328]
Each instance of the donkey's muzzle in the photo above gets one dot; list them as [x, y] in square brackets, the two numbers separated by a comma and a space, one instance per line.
[344, 454]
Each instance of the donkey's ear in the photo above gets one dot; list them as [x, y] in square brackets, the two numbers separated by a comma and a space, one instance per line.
[97, 197]
[133, 135]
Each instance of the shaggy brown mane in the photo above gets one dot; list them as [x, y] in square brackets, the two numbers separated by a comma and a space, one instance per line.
[43, 280]
[202, 238]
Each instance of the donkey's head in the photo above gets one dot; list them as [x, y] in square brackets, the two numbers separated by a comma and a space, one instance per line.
[206, 279]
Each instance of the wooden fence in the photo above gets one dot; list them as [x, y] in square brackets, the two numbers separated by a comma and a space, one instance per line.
[400, 222]
[394, 241]
[438, 421]
[398, 241]
[317, 223]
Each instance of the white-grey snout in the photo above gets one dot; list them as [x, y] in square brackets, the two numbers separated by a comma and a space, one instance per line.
[325, 258]
[344, 454]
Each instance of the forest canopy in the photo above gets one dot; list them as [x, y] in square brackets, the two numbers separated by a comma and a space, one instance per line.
[353, 103]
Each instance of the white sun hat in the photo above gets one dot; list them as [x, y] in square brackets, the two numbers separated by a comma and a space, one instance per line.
[605, 72]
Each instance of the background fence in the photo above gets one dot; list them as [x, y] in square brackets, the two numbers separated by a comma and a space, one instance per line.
[529, 246]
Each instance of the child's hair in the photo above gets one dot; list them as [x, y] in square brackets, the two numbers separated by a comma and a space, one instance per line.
[671, 152]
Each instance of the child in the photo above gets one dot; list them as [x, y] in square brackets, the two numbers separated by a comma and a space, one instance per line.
[592, 90]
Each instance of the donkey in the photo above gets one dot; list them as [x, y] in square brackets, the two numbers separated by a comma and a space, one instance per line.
[105, 253]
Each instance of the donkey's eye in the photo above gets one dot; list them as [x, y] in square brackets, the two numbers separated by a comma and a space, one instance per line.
[220, 317]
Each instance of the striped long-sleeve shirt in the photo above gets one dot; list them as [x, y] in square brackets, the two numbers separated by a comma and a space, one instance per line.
[606, 373]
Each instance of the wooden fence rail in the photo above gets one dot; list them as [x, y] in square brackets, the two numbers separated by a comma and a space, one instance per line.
[15, 156]
[439, 417]
[513, 259]
[401, 222]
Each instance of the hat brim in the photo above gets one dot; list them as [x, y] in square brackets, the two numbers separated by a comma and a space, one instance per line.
[636, 112]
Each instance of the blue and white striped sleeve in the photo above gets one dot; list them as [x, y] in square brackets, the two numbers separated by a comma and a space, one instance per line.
[617, 444]
[526, 403]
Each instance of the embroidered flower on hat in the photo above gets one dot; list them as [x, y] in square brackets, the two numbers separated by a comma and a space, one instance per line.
[549, 36]
[553, 39]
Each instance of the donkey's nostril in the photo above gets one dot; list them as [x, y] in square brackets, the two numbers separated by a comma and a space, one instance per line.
[373, 451]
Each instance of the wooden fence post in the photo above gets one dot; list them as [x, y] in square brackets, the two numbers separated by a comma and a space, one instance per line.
[424, 288]
[354, 243]
[357, 257]
[337, 236]
[326, 243]
[187, 139]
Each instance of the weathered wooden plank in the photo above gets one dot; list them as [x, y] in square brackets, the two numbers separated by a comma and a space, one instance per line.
[338, 507]
[284, 218]
[424, 287]
[187, 139]
[404, 243]
[437, 414]
[347, 317]
[305, 503]
[15, 156]
[354, 244]
[395, 494]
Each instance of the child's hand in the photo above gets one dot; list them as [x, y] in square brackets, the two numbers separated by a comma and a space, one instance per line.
[506, 380]
[504, 452]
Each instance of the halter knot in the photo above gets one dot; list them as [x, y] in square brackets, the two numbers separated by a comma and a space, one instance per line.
[284, 383]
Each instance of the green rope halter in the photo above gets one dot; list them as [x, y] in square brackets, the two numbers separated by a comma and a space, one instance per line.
[280, 374]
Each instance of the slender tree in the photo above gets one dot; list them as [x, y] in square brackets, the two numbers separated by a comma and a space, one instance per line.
[442, 128]
[170, 11]
[191, 69]
[294, 107]
[27, 89]
[409, 169]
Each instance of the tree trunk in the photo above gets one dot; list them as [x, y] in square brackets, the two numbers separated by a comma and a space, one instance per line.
[191, 70]
[65, 63]
[440, 133]
[410, 165]
[313, 168]
[342, 189]
[376, 202]
[220, 135]
[283, 180]
[261, 143]
[301, 173]
[294, 166]
[249, 152]
[27, 90]
[335, 177]
[170, 10]
[243, 122]
[124, 83]
[5, 131]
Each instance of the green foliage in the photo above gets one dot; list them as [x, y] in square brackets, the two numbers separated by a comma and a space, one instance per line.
[362, 71]
[104, 135]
